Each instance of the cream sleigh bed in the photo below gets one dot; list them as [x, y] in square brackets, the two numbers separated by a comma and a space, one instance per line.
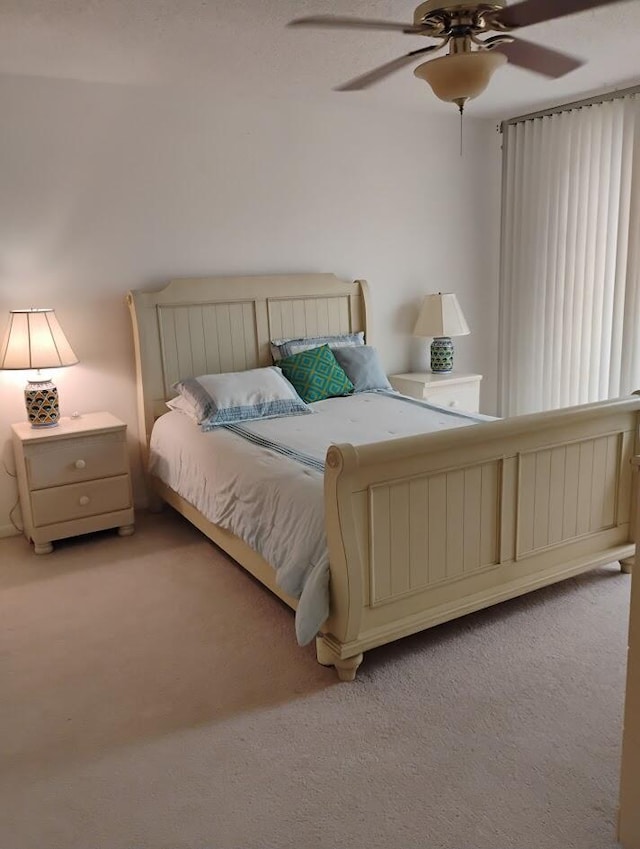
[420, 529]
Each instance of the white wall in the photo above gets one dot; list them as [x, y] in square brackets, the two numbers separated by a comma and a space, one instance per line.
[106, 188]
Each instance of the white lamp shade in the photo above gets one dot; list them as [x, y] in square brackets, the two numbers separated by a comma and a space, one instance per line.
[440, 315]
[460, 76]
[34, 340]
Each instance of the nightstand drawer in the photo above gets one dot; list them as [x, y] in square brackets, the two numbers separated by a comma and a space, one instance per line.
[75, 501]
[464, 396]
[72, 460]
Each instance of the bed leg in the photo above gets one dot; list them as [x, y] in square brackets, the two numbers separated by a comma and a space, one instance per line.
[626, 565]
[346, 667]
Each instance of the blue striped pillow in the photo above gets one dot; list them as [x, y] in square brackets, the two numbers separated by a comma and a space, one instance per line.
[281, 348]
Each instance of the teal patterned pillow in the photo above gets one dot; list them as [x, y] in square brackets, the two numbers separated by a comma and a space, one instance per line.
[316, 374]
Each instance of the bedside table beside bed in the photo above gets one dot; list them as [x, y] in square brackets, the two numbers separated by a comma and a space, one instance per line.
[456, 389]
[73, 479]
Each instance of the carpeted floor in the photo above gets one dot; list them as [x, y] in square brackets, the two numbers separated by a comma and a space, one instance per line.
[152, 695]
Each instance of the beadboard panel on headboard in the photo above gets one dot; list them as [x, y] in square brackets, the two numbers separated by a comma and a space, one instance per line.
[289, 317]
[218, 324]
[206, 339]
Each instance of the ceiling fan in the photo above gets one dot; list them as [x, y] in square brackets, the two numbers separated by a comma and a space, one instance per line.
[466, 70]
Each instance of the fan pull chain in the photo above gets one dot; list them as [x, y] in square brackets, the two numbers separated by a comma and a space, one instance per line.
[461, 114]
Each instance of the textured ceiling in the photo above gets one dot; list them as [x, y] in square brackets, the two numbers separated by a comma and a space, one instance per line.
[244, 45]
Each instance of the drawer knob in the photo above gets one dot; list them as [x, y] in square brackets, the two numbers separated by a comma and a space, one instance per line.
[84, 500]
[454, 403]
[80, 464]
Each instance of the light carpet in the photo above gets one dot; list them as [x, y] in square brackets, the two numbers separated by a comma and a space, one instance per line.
[152, 695]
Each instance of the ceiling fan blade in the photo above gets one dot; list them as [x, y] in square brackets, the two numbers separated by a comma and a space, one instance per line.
[540, 59]
[371, 77]
[335, 21]
[530, 12]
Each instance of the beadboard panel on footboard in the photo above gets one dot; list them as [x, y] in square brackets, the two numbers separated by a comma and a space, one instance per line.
[570, 491]
[435, 526]
[427, 530]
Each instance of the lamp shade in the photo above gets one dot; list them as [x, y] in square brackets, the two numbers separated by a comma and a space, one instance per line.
[440, 315]
[460, 76]
[34, 340]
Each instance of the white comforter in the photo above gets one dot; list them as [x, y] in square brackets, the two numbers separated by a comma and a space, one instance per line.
[274, 502]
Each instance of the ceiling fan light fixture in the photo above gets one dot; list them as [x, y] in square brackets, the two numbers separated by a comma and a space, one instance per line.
[459, 77]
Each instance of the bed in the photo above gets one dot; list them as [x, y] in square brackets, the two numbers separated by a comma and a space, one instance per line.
[420, 529]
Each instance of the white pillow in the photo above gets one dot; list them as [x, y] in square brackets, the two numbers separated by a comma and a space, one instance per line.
[182, 405]
[240, 396]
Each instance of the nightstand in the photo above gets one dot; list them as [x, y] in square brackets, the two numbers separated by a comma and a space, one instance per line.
[73, 478]
[447, 390]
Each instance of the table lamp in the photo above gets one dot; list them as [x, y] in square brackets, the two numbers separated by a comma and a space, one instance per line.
[441, 317]
[34, 340]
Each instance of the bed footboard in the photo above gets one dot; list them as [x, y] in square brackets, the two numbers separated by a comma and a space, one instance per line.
[425, 529]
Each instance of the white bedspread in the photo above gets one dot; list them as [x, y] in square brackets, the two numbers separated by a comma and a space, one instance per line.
[274, 502]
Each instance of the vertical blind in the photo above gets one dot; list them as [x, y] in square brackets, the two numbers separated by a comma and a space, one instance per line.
[570, 257]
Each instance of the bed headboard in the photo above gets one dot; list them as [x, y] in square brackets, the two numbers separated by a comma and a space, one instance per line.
[209, 325]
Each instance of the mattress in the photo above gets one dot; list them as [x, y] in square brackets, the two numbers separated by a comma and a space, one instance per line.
[263, 481]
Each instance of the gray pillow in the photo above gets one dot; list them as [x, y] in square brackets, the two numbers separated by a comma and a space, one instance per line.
[363, 368]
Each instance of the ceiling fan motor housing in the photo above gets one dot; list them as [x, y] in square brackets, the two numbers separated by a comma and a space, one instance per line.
[437, 12]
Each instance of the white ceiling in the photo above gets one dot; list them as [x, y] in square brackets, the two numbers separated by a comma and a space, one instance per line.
[245, 44]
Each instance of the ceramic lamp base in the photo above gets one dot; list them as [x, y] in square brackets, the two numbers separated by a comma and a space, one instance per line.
[442, 355]
[41, 401]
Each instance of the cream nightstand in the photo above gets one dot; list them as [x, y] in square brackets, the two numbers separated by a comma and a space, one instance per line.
[447, 390]
[73, 478]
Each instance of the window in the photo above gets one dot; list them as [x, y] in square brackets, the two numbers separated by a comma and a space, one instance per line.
[570, 264]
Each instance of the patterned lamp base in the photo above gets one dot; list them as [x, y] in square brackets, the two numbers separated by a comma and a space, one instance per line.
[41, 401]
[442, 355]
